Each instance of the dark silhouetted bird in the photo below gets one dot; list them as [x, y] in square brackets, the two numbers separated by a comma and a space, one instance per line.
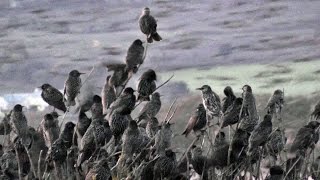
[100, 171]
[53, 97]
[9, 164]
[197, 121]
[315, 168]
[151, 108]
[276, 173]
[134, 56]
[146, 85]
[148, 26]
[131, 140]
[275, 103]
[120, 75]
[249, 110]
[23, 158]
[82, 124]
[56, 156]
[220, 140]
[19, 124]
[125, 102]
[67, 134]
[163, 139]
[49, 129]
[118, 122]
[165, 165]
[276, 143]
[316, 111]
[152, 127]
[229, 99]
[211, 102]
[231, 115]
[260, 134]
[108, 95]
[5, 127]
[72, 87]
[199, 162]
[96, 108]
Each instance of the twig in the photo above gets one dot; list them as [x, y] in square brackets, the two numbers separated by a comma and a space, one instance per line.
[164, 83]
[87, 77]
[31, 162]
[291, 168]
[187, 150]
[19, 164]
[174, 111]
[170, 109]
[39, 163]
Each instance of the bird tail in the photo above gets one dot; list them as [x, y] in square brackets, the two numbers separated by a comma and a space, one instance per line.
[156, 37]
[143, 98]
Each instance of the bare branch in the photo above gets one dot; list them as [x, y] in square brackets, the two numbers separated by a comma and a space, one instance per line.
[164, 83]
[170, 109]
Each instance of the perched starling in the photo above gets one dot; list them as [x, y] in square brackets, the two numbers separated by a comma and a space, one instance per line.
[316, 111]
[131, 140]
[197, 121]
[163, 139]
[152, 127]
[134, 56]
[118, 124]
[249, 110]
[229, 99]
[9, 164]
[58, 152]
[125, 102]
[151, 108]
[220, 140]
[67, 134]
[19, 124]
[53, 97]
[146, 85]
[148, 26]
[231, 115]
[23, 159]
[50, 129]
[305, 138]
[315, 169]
[72, 87]
[211, 102]
[5, 127]
[108, 95]
[276, 143]
[82, 124]
[100, 171]
[165, 165]
[96, 108]
[276, 173]
[119, 77]
[260, 134]
[275, 102]
[199, 162]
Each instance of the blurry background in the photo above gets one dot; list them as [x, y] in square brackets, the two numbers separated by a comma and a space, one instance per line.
[268, 44]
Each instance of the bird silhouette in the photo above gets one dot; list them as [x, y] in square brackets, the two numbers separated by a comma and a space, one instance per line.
[231, 115]
[72, 87]
[165, 165]
[108, 95]
[228, 100]
[151, 108]
[96, 108]
[146, 85]
[53, 97]
[260, 134]
[148, 26]
[134, 56]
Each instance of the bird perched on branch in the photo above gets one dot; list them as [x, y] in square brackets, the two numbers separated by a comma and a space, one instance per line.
[19, 124]
[134, 56]
[147, 85]
[197, 121]
[260, 134]
[5, 127]
[125, 102]
[163, 138]
[82, 124]
[165, 165]
[148, 26]
[100, 171]
[120, 75]
[316, 111]
[211, 102]
[53, 97]
[199, 162]
[131, 140]
[152, 127]
[276, 173]
[231, 115]
[276, 143]
[67, 134]
[275, 103]
[151, 108]
[49, 129]
[108, 94]
[72, 87]
[23, 158]
[96, 108]
[229, 99]
[118, 122]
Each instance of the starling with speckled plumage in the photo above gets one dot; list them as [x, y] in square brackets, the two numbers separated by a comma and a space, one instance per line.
[276, 173]
[249, 110]
[67, 134]
[275, 103]
[23, 158]
[72, 87]
[305, 138]
[151, 108]
[49, 129]
[134, 56]
[316, 112]
[211, 102]
[100, 171]
[229, 99]
[58, 152]
[9, 164]
[276, 143]
[315, 169]
[19, 124]
[119, 77]
[260, 134]
[118, 122]
[148, 26]
[96, 108]
[131, 140]
[165, 165]
[108, 94]
[147, 85]
[197, 121]
[53, 97]
[125, 102]
[199, 162]
[231, 115]
[152, 127]
[82, 124]
[163, 139]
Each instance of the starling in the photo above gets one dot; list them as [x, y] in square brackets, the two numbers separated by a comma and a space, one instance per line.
[53, 97]
[231, 115]
[125, 102]
[131, 140]
[197, 121]
[151, 108]
[315, 169]
[118, 124]
[163, 139]
[72, 87]
[275, 103]
[316, 111]
[211, 102]
[220, 140]
[199, 162]
[23, 158]
[276, 143]
[165, 165]
[134, 56]
[82, 124]
[229, 99]
[148, 26]
[152, 127]
[305, 138]
[119, 77]
[96, 108]
[9, 164]
[260, 134]
[108, 95]
[5, 127]
[58, 152]
[146, 85]
[19, 124]
[100, 171]
[249, 110]
[67, 134]
[276, 173]
[50, 129]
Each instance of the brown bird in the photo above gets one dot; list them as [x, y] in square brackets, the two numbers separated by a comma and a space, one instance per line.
[134, 56]
[108, 95]
[120, 75]
[148, 26]
[276, 143]
[131, 140]
[53, 97]
[197, 121]
[229, 99]
[146, 85]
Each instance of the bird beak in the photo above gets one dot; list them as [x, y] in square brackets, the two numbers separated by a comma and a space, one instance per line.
[82, 73]
[199, 89]
[39, 87]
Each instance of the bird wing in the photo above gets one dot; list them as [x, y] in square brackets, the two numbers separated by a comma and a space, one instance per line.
[191, 123]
